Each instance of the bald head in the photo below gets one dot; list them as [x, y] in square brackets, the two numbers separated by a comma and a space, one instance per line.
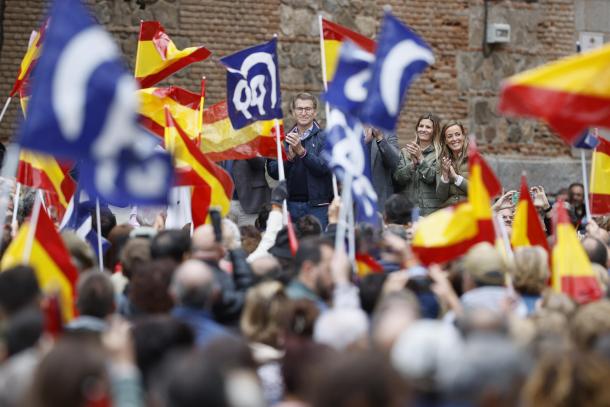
[204, 246]
[192, 284]
[596, 250]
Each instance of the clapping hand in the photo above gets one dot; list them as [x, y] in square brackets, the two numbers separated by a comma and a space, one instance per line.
[294, 144]
[415, 152]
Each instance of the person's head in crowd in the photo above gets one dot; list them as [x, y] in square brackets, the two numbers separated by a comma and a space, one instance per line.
[507, 214]
[482, 319]
[299, 320]
[531, 270]
[576, 195]
[488, 370]
[420, 350]
[308, 225]
[570, 378]
[397, 210]
[312, 266]
[562, 194]
[304, 362]
[26, 203]
[107, 220]
[483, 266]
[19, 289]
[261, 220]
[266, 268]
[149, 287]
[23, 330]
[429, 126]
[602, 277]
[371, 287]
[394, 313]
[95, 295]
[359, 379]
[589, 323]
[118, 237]
[170, 244]
[454, 143]
[82, 255]
[231, 238]
[344, 329]
[304, 109]
[136, 251]
[250, 238]
[596, 250]
[262, 315]
[155, 338]
[192, 285]
[204, 245]
[222, 374]
[72, 374]
[281, 251]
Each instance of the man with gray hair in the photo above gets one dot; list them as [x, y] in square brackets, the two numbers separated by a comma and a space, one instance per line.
[192, 289]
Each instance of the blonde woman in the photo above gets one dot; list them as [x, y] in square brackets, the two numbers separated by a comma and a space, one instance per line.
[416, 171]
[452, 175]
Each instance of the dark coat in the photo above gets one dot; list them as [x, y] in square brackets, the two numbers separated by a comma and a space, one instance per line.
[419, 180]
[319, 176]
[250, 184]
[385, 157]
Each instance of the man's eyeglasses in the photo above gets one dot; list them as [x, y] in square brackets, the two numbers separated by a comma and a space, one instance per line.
[303, 109]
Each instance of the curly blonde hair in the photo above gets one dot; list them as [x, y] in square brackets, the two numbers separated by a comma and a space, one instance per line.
[263, 313]
[531, 270]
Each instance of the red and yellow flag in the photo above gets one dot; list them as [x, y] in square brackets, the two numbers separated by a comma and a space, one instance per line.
[157, 56]
[527, 228]
[50, 260]
[219, 141]
[29, 59]
[213, 185]
[333, 35]
[182, 104]
[450, 232]
[571, 94]
[366, 264]
[600, 178]
[572, 271]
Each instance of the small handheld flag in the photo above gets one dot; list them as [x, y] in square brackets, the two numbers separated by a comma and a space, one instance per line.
[253, 85]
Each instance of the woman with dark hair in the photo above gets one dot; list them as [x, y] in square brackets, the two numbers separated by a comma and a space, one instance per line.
[416, 171]
[452, 174]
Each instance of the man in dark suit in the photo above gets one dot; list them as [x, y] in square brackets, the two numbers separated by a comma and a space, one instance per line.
[251, 190]
[385, 155]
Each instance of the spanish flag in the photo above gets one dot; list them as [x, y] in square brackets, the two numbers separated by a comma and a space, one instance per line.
[600, 178]
[213, 186]
[527, 229]
[29, 59]
[50, 260]
[571, 94]
[572, 272]
[333, 35]
[44, 172]
[450, 232]
[366, 264]
[157, 56]
[183, 105]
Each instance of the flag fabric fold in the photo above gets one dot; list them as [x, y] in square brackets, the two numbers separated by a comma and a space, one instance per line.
[157, 56]
[213, 186]
[333, 36]
[50, 260]
[570, 94]
[527, 229]
[450, 232]
[572, 272]
[600, 178]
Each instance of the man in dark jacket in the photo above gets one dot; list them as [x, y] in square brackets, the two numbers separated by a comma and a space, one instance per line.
[251, 190]
[308, 177]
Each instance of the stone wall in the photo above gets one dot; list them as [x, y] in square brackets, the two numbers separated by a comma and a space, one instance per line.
[463, 84]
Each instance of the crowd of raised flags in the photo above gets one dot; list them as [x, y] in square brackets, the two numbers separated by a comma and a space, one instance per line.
[130, 146]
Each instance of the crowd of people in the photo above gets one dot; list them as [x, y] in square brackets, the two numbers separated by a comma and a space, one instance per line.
[235, 314]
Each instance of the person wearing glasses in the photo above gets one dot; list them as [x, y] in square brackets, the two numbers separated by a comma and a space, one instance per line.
[308, 178]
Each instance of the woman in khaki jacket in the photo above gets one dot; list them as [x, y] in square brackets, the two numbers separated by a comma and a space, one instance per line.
[416, 171]
[452, 175]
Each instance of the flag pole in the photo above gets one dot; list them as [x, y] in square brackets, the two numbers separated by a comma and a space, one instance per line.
[27, 250]
[324, 81]
[8, 102]
[15, 206]
[585, 182]
[351, 237]
[100, 255]
[346, 203]
[280, 167]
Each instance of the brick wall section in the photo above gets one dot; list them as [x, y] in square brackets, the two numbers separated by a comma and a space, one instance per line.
[461, 85]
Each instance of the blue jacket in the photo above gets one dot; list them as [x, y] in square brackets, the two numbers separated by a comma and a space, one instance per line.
[319, 175]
